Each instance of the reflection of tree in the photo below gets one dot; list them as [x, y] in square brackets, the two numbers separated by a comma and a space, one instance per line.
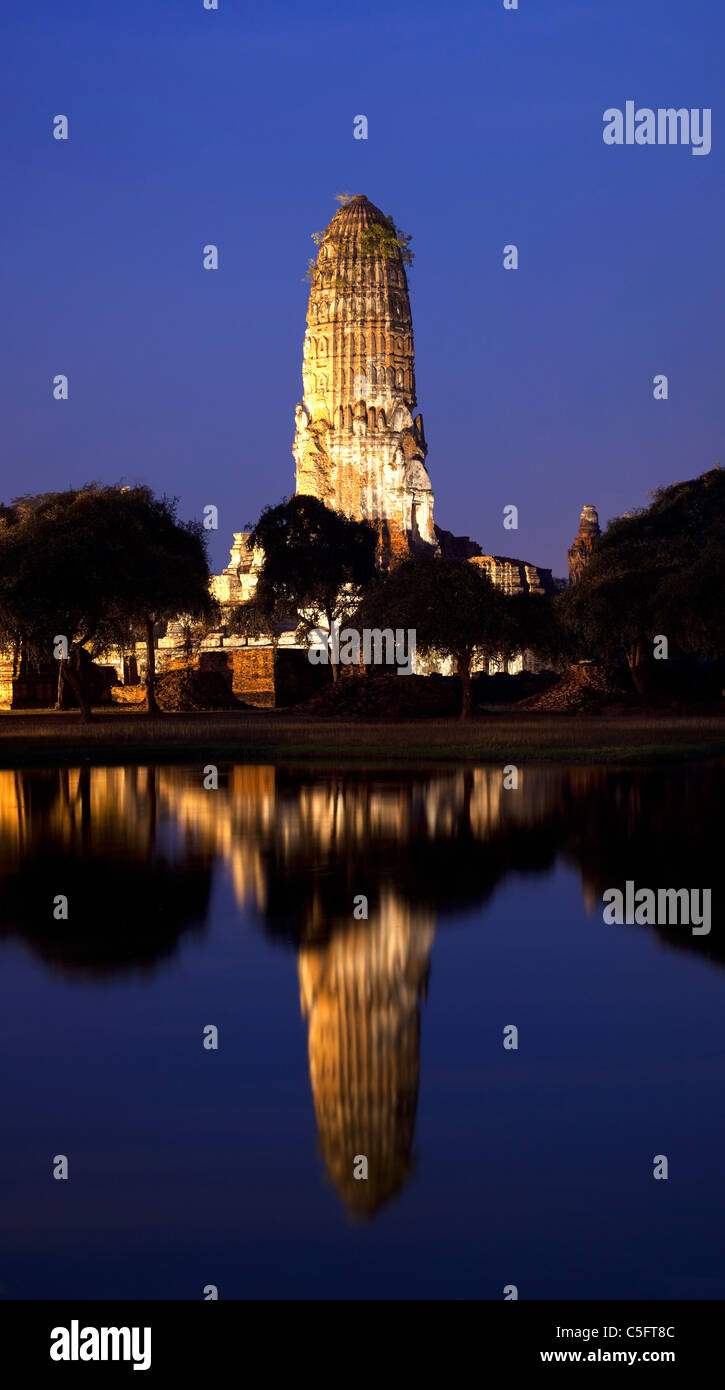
[440, 843]
[90, 835]
[443, 843]
[660, 828]
[301, 845]
[132, 850]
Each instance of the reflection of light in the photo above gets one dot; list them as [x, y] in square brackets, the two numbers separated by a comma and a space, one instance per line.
[92, 805]
[247, 813]
[12, 813]
[592, 901]
[361, 982]
[360, 994]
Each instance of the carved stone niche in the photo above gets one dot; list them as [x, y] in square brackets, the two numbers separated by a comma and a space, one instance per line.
[416, 476]
[401, 418]
[360, 419]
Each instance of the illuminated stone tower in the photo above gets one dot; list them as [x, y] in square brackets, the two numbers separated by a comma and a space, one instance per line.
[357, 445]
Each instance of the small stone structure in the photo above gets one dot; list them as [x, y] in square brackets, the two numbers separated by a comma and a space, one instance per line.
[270, 677]
[238, 580]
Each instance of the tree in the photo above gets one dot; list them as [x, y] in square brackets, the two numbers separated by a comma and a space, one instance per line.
[194, 629]
[658, 571]
[96, 567]
[451, 605]
[261, 616]
[535, 624]
[317, 563]
[691, 604]
[165, 573]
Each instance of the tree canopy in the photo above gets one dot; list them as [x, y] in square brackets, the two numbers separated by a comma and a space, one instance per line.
[99, 566]
[317, 563]
[659, 571]
[451, 605]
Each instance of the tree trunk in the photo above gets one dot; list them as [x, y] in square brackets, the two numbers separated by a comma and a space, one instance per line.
[74, 674]
[464, 672]
[333, 663]
[638, 671]
[62, 695]
[151, 705]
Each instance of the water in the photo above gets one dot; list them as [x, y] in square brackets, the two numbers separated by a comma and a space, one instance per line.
[341, 1037]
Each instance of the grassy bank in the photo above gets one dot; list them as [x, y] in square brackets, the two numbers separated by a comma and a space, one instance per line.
[49, 738]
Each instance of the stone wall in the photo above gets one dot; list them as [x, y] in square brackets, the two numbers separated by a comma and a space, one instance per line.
[36, 686]
[259, 675]
[27, 687]
[515, 576]
[268, 678]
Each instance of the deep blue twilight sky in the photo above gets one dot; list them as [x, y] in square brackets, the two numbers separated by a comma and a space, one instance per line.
[485, 127]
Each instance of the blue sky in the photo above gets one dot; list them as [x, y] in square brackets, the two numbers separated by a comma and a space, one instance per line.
[485, 128]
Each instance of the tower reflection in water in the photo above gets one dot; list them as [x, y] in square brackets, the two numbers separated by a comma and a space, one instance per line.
[361, 996]
[136, 849]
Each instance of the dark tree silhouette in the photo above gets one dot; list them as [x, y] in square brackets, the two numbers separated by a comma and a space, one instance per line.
[657, 572]
[451, 605]
[316, 566]
[96, 566]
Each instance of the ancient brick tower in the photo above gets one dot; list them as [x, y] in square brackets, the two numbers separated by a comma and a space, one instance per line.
[584, 542]
[357, 446]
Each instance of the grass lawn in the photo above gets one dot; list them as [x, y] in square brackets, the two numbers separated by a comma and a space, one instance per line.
[49, 737]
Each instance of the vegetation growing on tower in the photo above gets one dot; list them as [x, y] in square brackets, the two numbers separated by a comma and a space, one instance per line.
[386, 240]
[379, 239]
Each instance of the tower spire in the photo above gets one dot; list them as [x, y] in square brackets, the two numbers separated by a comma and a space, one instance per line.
[357, 446]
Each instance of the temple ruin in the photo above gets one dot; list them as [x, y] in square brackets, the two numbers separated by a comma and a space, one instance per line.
[359, 445]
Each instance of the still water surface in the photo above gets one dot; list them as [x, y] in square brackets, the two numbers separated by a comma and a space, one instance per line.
[341, 1037]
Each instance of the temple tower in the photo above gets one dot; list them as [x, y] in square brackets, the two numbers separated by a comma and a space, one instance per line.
[357, 445]
[584, 542]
